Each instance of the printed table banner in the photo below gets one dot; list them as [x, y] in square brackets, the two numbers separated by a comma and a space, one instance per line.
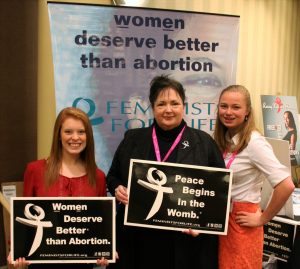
[104, 58]
[279, 235]
[63, 230]
[176, 197]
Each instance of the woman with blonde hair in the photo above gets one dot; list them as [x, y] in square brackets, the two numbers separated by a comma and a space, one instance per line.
[251, 158]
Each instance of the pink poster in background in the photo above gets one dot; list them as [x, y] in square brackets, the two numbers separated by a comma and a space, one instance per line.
[280, 117]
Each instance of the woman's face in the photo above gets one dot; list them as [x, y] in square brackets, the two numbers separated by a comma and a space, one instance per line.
[73, 136]
[168, 109]
[232, 111]
[286, 119]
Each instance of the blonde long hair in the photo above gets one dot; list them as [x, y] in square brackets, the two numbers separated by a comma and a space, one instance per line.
[54, 161]
[246, 129]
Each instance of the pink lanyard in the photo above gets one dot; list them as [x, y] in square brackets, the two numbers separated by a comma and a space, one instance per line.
[231, 158]
[156, 147]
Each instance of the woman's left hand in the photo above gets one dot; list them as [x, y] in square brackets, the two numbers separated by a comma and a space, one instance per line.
[102, 262]
[248, 219]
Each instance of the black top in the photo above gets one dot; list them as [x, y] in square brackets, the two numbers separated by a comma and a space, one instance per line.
[140, 248]
[289, 134]
[288, 138]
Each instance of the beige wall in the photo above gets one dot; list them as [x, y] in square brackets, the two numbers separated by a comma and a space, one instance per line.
[268, 56]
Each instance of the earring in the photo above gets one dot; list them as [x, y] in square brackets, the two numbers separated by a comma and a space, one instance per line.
[246, 118]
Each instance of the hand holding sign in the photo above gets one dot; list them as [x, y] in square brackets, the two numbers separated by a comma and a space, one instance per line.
[121, 194]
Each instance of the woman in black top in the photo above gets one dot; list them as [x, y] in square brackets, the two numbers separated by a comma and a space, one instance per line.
[291, 134]
[142, 248]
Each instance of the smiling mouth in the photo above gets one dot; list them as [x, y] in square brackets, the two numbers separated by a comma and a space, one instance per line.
[228, 120]
[75, 145]
[168, 117]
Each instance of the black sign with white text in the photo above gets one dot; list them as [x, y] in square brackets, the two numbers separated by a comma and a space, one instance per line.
[278, 239]
[59, 229]
[176, 197]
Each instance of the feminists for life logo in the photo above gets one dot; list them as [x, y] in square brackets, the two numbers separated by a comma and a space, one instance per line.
[156, 185]
[35, 220]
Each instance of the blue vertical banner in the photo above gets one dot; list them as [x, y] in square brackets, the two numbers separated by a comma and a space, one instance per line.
[105, 57]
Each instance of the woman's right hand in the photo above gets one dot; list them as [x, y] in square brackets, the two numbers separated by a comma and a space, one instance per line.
[191, 232]
[121, 194]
